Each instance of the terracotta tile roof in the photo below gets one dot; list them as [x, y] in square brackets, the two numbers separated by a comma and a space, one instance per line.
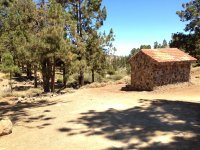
[168, 55]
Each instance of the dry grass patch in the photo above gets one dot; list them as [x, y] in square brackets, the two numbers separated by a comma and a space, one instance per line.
[124, 80]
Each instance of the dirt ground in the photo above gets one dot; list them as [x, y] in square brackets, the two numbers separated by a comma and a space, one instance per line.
[109, 119]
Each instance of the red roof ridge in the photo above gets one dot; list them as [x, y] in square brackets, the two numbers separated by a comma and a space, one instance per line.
[168, 55]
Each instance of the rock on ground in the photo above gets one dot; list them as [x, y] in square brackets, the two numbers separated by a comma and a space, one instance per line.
[5, 126]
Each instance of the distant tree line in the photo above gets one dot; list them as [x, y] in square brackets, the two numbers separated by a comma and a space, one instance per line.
[158, 45]
[35, 37]
[119, 62]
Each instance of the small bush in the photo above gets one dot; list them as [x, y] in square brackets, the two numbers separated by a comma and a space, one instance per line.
[98, 77]
[70, 79]
[18, 74]
[87, 78]
[128, 69]
[74, 84]
[5, 92]
[74, 77]
[95, 85]
[31, 92]
[59, 81]
[6, 76]
[34, 91]
[196, 64]
[116, 77]
[111, 71]
[8, 94]
[124, 80]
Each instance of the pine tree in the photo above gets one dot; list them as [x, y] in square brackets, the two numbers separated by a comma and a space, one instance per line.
[17, 26]
[53, 35]
[190, 14]
[8, 66]
[164, 44]
[155, 45]
[89, 16]
[145, 47]
[64, 30]
[158, 45]
[184, 42]
[94, 55]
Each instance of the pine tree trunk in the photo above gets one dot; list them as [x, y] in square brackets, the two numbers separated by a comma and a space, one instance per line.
[46, 74]
[35, 77]
[23, 69]
[11, 89]
[53, 75]
[61, 68]
[80, 18]
[92, 75]
[28, 71]
[79, 31]
[81, 78]
[64, 76]
[46, 84]
[77, 16]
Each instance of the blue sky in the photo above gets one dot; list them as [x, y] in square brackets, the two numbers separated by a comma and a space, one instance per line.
[137, 22]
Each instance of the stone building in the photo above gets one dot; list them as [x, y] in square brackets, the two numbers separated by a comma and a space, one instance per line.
[156, 67]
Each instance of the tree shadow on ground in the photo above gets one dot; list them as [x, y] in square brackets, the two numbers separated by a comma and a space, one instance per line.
[19, 113]
[147, 124]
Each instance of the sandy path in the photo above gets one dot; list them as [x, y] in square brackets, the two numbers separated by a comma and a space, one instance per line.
[107, 118]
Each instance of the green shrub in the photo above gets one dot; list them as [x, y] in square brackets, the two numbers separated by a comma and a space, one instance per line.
[87, 78]
[128, 70]
[196, 64]
[98, 78]
[59, 81]
[5, 93]
[95, 85]
[111, 71]
[116, 77]
[74, 77]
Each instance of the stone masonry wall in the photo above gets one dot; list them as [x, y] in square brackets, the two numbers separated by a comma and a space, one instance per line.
[170, 73]
[146, 73]
[141, 72]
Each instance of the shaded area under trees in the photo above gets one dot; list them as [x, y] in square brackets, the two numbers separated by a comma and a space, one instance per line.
[142, 123]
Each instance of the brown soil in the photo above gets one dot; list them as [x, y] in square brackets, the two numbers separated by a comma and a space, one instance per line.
[108, 118]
